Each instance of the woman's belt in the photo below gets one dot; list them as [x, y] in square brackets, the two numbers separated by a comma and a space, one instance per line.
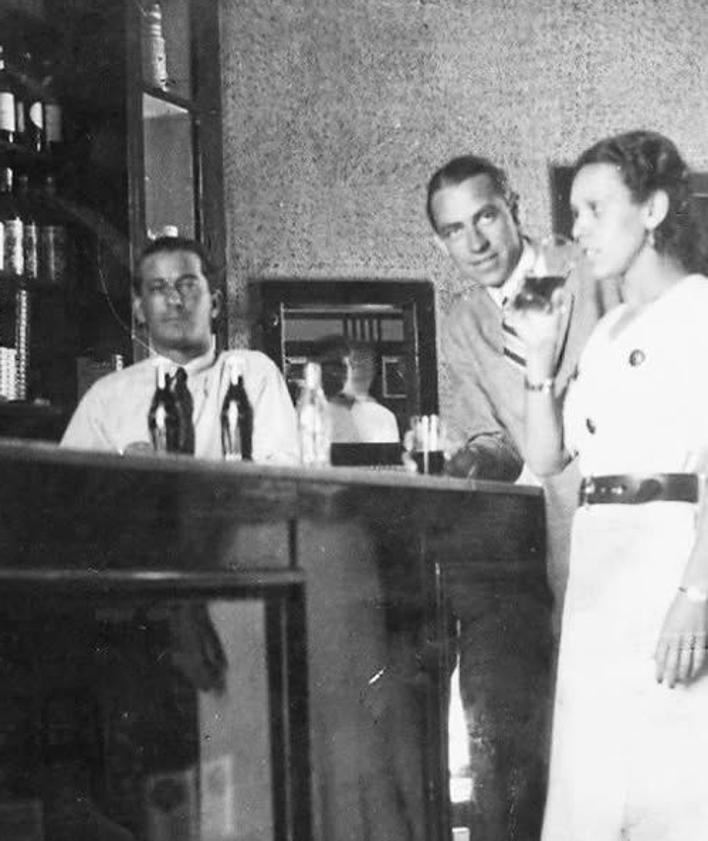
[632, 488]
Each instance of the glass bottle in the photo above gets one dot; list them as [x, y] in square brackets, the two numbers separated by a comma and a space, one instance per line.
[7, 102]
[30, 229]
[53, 238]
[23, 99]
[236, 417]
[53, 117]
[34, 123]
[184, 411]
[163, 422]
[12, 239]
[154, 50]
[44, 114]
[314, 421]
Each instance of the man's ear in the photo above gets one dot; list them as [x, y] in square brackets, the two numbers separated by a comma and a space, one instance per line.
[217, 301]
[138, 312]
[512, 200]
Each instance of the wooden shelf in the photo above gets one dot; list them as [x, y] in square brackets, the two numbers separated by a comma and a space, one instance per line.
[169, 97]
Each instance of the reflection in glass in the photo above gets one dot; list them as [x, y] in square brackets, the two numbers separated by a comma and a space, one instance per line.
[169, 167]
[136, 721]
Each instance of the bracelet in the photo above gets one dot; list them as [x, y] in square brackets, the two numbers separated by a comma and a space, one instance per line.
[545, 386]
[694, 594]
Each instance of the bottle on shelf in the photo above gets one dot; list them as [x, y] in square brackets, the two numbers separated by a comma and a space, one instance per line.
[11, 224]
[30, 229]
[163, 421]
[53, 117]
[314, 421]
[44, 114]
[54, 242]
[23, 98]
[7, 102]
[236, 417]
[154, 50]
[34, 125]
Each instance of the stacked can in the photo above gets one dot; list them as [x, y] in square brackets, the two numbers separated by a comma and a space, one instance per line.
[8, 373]
[22, 340]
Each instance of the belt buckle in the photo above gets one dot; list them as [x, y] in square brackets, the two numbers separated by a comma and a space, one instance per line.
[588, 489]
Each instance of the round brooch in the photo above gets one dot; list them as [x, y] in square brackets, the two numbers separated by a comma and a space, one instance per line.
[636, 357]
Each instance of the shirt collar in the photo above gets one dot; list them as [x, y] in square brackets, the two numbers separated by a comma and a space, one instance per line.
[510, 287]
[197, 365]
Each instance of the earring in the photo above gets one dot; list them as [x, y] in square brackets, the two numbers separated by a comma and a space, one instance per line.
[651, 238]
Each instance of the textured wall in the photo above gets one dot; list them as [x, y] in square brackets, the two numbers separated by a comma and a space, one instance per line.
[335, 114]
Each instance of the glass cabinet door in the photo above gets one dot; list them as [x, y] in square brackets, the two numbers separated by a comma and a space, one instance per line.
[169, 168]
[149, 719]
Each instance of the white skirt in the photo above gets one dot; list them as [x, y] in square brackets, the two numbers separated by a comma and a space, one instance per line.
[629, 756]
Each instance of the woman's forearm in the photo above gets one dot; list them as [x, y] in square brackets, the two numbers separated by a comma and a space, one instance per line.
[544, 448]
[696, 570]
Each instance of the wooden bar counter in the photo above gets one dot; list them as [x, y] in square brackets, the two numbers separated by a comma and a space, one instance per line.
[203, 651]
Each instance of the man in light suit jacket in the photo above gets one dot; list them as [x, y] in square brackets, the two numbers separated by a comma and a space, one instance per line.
[474, 215]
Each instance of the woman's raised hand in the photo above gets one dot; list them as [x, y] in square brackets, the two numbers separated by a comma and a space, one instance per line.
[539, 327]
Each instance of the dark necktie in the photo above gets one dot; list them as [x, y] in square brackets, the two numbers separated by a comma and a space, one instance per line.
[514, 348]
[185, 408]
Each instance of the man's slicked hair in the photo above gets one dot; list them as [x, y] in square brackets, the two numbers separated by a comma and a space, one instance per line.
[172, 245]
[459, 169]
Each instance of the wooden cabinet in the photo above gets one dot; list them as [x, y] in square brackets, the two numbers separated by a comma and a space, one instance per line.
[136, 158]
[266, 648]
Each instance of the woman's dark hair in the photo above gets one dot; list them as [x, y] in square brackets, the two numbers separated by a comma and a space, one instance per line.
[171, 245]
[647, 162]
[459, 169]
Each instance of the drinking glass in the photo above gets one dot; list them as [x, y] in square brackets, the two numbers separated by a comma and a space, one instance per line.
[424, 444]
[554, 259]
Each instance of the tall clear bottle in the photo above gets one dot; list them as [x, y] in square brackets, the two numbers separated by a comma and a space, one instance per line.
[44, 114]
[314, 420]
[53, 117]
[154, 50]
[54, 244]
[30, 229]
[163, 421]
[236, 417]
[23, 99]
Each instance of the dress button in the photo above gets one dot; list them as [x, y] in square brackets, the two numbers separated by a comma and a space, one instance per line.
[590, 424]
[636, 357]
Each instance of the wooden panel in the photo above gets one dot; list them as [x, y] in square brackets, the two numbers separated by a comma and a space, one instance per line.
[358, 559]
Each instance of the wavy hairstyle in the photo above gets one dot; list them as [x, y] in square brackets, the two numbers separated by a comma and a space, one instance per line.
[647, 161]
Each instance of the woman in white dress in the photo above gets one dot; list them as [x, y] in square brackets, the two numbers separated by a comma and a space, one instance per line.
[630, 731]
